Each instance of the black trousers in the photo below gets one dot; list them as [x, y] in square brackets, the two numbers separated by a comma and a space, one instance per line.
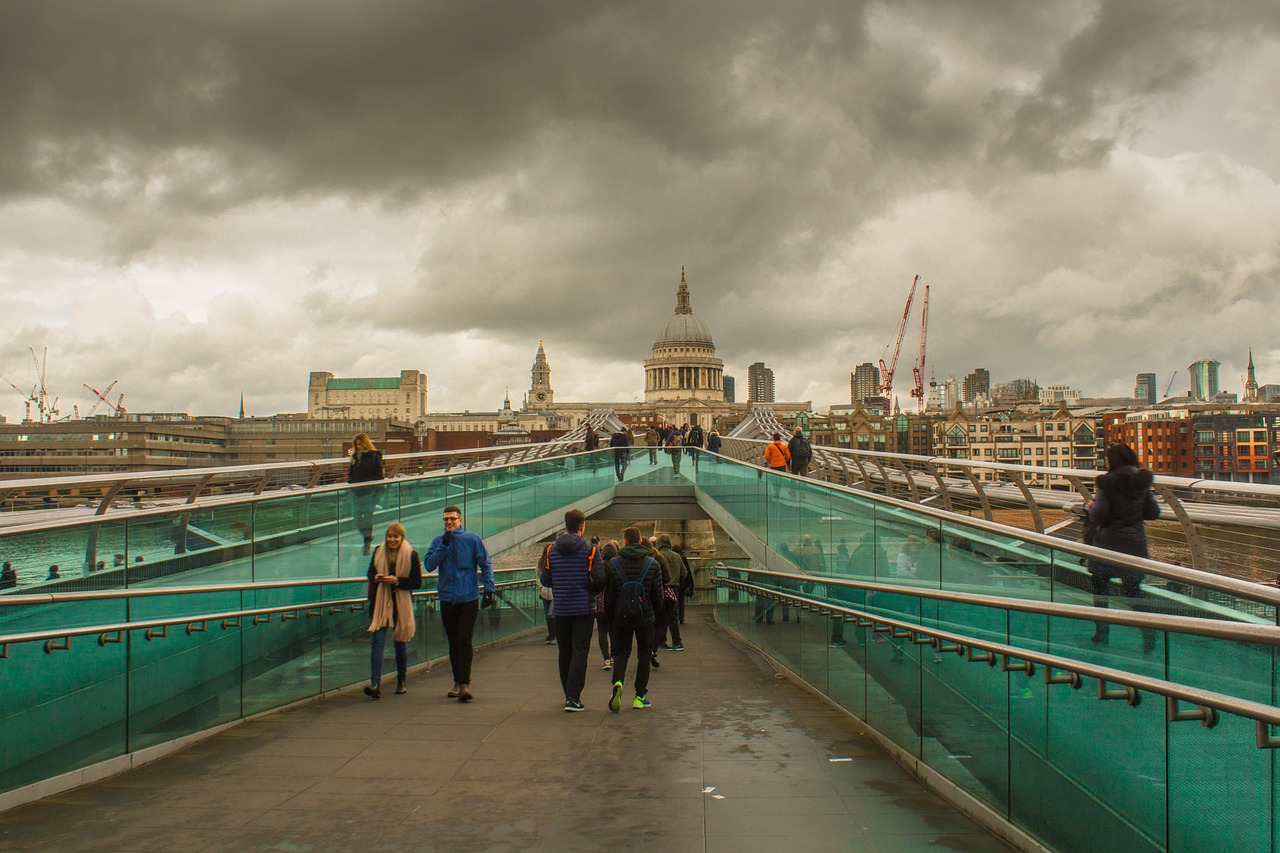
[573, 636]
[672, 624]
[620, 461]
[459, 627]
[622, 639]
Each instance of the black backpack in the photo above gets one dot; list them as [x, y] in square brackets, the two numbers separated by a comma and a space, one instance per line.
[633, 606]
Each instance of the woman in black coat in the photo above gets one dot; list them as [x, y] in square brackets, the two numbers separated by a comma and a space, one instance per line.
[366, 467]
[1122, 503]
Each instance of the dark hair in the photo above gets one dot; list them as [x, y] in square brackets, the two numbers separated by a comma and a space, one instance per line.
[452, 509]
[608, 551]
[631, 535]
[574, 520]
[1119, 454]
[777, 436]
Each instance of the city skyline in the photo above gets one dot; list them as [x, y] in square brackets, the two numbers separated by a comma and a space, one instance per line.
[1089, 188]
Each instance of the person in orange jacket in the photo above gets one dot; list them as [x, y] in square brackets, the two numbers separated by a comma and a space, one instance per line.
[777, 455]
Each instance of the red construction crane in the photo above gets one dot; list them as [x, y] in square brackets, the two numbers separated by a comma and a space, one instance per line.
[917, 372]
[886, 372]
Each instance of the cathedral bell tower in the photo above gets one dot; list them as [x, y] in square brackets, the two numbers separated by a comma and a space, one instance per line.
[540, 394]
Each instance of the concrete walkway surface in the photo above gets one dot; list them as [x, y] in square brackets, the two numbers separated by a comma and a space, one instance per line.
[729, 758]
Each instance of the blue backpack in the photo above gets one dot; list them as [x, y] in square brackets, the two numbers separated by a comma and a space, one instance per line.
[633, 606]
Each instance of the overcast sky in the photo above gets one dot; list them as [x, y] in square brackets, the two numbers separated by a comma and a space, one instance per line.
[203, 199]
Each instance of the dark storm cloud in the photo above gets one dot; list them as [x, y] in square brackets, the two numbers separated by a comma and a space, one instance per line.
[566, 158]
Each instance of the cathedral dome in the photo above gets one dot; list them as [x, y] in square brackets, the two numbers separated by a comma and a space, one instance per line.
[683, 327]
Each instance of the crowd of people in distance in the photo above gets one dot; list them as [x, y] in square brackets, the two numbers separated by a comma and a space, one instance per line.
[677, 442]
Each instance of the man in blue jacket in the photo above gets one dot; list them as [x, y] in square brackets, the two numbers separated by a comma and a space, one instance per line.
[572, 567]
[457, 554]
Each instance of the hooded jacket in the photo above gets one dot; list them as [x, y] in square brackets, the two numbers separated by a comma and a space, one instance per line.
[572, 568]
[676, 568]
[1123, 501]
[632, 559]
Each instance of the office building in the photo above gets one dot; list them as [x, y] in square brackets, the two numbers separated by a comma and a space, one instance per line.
[1144, 389]
[759, 383]
[1204, 379]
[864, 382]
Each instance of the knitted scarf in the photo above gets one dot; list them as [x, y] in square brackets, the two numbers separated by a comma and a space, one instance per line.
[395, 609]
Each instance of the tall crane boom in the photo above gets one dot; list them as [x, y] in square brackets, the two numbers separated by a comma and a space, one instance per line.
[101, 395]
[917, 372]
[1168, 385]
[886, 372]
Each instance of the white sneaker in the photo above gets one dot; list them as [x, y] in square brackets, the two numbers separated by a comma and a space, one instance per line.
[608, 664]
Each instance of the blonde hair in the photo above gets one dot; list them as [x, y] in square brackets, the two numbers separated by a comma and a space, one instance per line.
[395, 527]
[368, 442]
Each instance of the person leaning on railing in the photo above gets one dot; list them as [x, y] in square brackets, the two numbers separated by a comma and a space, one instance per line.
[1122, 502]
[366, 467]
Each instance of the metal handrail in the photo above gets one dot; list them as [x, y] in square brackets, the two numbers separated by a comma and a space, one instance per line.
[256, 478]
[1195, 506]
[1208, 702]
[200, 619]
[242, 498]
[1197, 577]
[148, 592]
[1221, 629]
[1264, 489]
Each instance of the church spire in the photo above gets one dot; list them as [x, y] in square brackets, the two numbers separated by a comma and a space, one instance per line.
[682, 296]
[1251, 382]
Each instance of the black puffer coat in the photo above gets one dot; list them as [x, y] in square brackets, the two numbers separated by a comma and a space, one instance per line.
[365, 467]
[1123, 501]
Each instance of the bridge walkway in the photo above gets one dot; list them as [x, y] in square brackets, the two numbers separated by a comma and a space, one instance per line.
[729, 758]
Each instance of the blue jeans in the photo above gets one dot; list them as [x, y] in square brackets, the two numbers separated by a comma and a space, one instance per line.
[376, 650]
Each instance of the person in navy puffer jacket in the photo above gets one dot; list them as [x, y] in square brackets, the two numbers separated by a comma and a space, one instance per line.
[572, 567]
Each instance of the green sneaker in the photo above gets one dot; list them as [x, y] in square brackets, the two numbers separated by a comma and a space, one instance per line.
[615, 701]
[640, 702]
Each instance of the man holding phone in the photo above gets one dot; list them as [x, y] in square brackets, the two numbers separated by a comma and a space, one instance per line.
[458, 554]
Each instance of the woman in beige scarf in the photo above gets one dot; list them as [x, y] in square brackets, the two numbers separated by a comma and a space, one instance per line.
[394, 573]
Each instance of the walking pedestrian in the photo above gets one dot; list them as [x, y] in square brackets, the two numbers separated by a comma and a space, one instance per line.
[365, 467]
[801, 453]
[8, 577]
[548, 612]
[633, 595]
[571, 567]
[677, 569]
[591, 443]
[675, 444]
[776, 454]
[714, 443]
[651, 440]
[620, 441]
[394, 573]
[458, 554]
[660, 615]
[1122, 502]
[604, 628]
[693, 442]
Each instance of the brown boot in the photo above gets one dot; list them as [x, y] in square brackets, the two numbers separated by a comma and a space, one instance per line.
[464, 695]
[453, 694]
